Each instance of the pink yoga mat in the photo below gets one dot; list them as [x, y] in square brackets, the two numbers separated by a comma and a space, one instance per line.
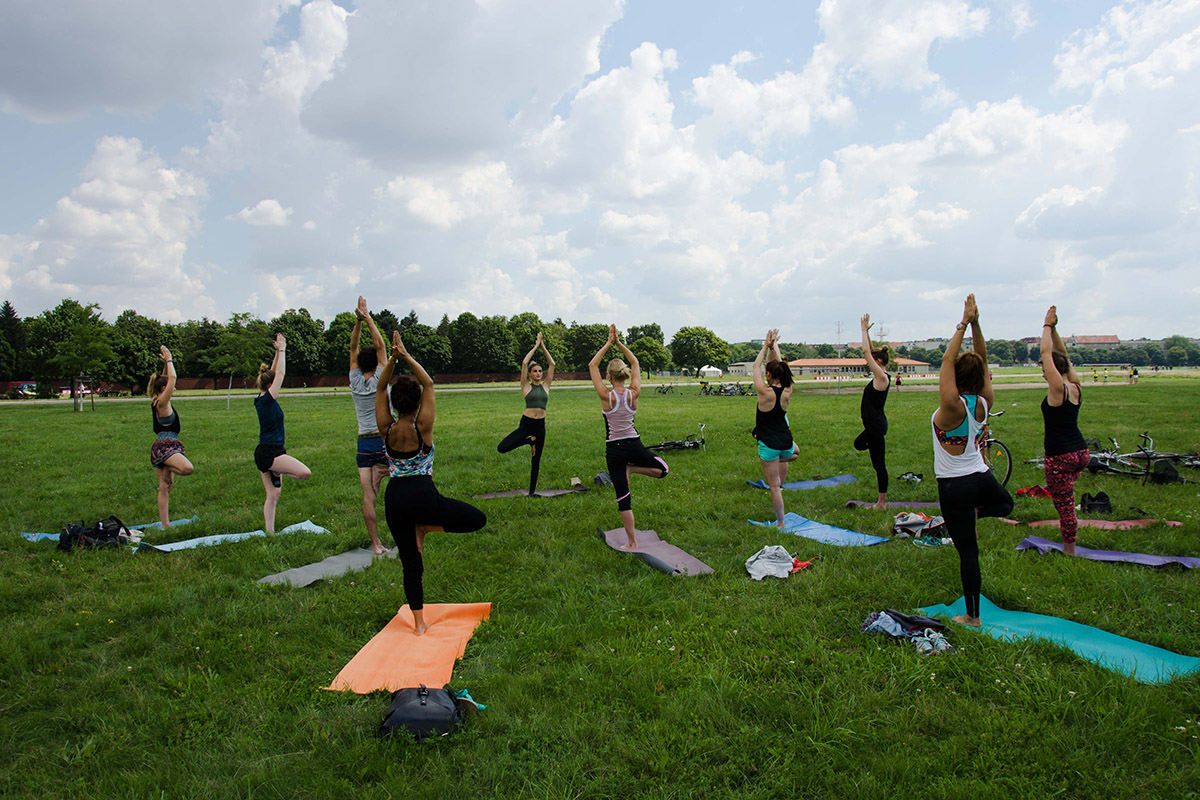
[1102, 524]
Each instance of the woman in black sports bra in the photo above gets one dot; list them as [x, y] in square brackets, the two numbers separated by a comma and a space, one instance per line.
[532, 430]
[776, 448]
[873, 419]
[1066, 452]
[166, 454]
[411, 502]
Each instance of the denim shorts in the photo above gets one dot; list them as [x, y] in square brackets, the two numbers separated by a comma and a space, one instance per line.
[370, 452]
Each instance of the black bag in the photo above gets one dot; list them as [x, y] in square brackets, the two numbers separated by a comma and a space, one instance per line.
[1100, 503]
[422, 712]
[1164, 472]
[108, 532]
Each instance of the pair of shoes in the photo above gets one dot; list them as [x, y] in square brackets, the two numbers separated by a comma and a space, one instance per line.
[603, 479]
[938, 641]
[911, 477]
[927, 541]
[923, 645]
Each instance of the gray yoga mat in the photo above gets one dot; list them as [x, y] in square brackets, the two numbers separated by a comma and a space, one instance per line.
[332, 567]
[1045, 546]
[222, 538]
[524, 493]
[661, 555]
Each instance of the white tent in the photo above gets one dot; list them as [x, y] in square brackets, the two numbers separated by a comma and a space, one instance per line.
[709, 371]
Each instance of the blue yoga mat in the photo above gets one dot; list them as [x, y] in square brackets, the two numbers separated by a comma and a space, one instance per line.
[53, 537]
[1144, 662]
[834, 481]
[820, 532]
[222, 538]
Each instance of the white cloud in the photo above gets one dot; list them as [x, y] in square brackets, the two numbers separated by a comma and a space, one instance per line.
[889, 40]
[1044, 216]
[266, 213]
[61, 59]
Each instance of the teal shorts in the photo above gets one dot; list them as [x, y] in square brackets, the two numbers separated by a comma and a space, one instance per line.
[771, 454]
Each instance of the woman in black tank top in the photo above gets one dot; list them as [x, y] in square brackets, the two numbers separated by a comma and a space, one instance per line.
[873, 419]
[776, 448]
[167, 454]
[531, 431]
[1066, 453]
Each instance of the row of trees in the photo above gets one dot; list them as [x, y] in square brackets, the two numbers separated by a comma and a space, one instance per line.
[1175, 351]
[72, 339]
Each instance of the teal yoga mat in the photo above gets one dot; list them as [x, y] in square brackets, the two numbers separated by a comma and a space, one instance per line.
[836, 480]
[1144, 662]
[53, 537]
[820, 532]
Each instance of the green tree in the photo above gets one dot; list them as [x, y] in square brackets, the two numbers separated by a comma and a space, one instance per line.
[387, 322]
[653, 330]
[852, 352]
[85, 350]
[410, 320]
[337, 342]
[1176, 356]
[999, 351]
[582, 343]
[8, 361]
[1020, 351]
[135, 341]
[48, 338]
[695, 346]
[305, 341]
[198, 344]
[12, 330]
[481, 345]
[244, 341]
[743, 351]
[428, 347]
[826, 351]
[651, 353]
[792, 351]
[1154, 355]
[525, 327]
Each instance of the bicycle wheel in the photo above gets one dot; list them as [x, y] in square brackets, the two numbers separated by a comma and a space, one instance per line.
[998, 459]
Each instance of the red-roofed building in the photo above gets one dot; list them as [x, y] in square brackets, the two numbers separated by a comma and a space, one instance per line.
[852, 366]
[1094, 342]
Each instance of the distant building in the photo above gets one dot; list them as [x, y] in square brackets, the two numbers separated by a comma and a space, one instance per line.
[852, 366]
[1093, 342]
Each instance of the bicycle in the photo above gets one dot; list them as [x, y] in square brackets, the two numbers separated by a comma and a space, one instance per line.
[665, 388]
[996, 454]
[1140, 463]
[689, 442]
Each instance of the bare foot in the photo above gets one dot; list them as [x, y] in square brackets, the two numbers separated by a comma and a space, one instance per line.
[166, 526]
[632, 545]
[420, 628]
[1069, 549]
[963, 619]
[378, 549]
[881, 505]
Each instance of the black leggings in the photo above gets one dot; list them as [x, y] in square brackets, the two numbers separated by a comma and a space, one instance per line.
[629, 453]
[869, 440]
[530, 432]
[412, 501]
[960, 499]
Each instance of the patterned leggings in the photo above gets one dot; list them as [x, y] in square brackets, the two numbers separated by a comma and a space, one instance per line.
[1061, 472]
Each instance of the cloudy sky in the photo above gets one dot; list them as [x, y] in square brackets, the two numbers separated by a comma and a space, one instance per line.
[734, 165]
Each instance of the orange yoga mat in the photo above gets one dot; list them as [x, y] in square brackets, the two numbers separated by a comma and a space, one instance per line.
[395, 658]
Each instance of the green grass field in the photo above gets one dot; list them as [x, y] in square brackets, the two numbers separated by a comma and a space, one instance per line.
[177, 675]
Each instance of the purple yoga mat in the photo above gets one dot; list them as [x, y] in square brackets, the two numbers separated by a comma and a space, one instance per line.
[1045, 546]
[524, 493]
[663, 556]
[890, 504]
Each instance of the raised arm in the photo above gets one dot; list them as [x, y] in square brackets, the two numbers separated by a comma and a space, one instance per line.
[426, 414]
[164, 399]
[949, 407]
[756, 371]
[525, 366]
[376, 337]
[635, 368]
[979, 345]
[1061, 347]
[354, 335]
[879, 376]
[1054, 381]
[774, 336]
[279, 364]
[548, 378]
[383, 407]
[594, 368]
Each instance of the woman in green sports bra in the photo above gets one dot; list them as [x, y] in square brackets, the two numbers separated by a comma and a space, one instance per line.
[532, 430]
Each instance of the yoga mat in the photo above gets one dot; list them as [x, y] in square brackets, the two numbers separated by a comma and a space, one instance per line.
[332, 567]
[890, 504]
[524, 493]
[222, 538]
[1044, 546]
[1103, 524]
[1144, 662]
[53, 537]
[395, 658]
[834, 481]
[661, 555]
[820, 532]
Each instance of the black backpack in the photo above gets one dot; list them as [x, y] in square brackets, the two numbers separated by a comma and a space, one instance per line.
[1100, 503]
[1164, 472]
[108, 532]
[423, 712]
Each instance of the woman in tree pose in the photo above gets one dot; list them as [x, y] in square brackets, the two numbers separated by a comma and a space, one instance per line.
[369, 455]
[776, 449]
[1066, 453]
[412, 504]
[873, 419]
[532, 429]
[967, 490]
[270, 457]
[167, 453]
[624, 452]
